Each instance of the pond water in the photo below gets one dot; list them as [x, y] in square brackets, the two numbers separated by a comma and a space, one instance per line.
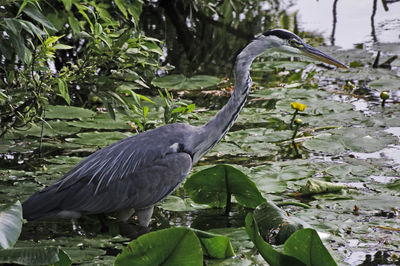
[346, 137]
[354, 24]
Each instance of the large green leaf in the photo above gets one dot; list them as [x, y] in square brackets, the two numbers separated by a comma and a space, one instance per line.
[173, 246]
[306, 246]
[211, 186]
[39, 17]
[10, 224]
[215, 246]
[273, 257]
[180, 82]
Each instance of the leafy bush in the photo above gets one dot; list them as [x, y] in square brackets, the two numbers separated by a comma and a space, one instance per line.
[78, 52]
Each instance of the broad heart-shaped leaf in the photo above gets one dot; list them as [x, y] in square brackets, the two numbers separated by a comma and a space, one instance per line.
[35, 256]
[306, 245]
[172, 246]
[215, 246]
[210, 186]
[273, 257]
[180, 82]
[10, 224]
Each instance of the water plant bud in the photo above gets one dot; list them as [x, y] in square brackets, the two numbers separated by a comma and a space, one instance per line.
[384, 95]
[298, 121]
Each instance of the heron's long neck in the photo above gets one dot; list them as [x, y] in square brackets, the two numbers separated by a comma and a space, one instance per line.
[218, 126]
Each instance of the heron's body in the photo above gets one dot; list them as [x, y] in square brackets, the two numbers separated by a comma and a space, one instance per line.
[136, 173]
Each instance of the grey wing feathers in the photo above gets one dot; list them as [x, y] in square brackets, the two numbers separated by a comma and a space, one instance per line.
[123, 158]
[136, 172]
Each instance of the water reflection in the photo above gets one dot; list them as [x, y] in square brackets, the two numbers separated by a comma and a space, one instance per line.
[345, 23]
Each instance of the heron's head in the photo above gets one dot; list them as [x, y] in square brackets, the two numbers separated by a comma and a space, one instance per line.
[288, 42]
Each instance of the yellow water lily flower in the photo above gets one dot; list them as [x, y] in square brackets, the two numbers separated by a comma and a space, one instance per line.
[298, 106]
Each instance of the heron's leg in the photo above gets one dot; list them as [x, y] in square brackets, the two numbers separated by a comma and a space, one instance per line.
[76, 227]
[125, 214]
[144, 216]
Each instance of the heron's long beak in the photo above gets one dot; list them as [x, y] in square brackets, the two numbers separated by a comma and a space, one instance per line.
[312, 52]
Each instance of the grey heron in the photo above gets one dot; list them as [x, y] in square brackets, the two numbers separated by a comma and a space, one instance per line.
[132, 175]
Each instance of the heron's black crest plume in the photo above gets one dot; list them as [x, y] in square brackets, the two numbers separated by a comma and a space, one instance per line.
[282, 34]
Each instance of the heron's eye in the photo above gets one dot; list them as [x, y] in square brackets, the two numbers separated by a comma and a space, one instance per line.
[295, 43]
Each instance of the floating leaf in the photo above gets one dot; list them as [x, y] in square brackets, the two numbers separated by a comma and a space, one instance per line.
[353, 139]
[180, 82]
[10, 224]
[32, 256]
[211, 186]
[67, 112]
[173, 246]
[177, 204]
[50, 129]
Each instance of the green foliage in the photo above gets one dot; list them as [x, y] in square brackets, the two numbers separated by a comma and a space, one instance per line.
[10, 229]
[35, 256]
[215, 246]
[274, 224]
[272, 256]
[174, 111]
[304, 247]
[173, 246]
[71, 52]
[180, 82]
[215, 185]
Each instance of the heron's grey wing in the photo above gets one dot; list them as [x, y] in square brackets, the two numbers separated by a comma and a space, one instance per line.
[144, 188]
[134, 172]
[125, 157]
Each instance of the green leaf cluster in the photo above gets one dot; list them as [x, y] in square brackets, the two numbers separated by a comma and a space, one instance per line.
[10, 229]
[175, 246]
[74, 52]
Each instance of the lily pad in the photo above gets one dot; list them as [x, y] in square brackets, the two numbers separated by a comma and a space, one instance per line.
[353, 139]
[50, 129]
[101, 121]
[180, 82]
[67, 112]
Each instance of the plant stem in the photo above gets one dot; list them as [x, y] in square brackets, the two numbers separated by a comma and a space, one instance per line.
[293, 118]
[228, 205]
[295, 132]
